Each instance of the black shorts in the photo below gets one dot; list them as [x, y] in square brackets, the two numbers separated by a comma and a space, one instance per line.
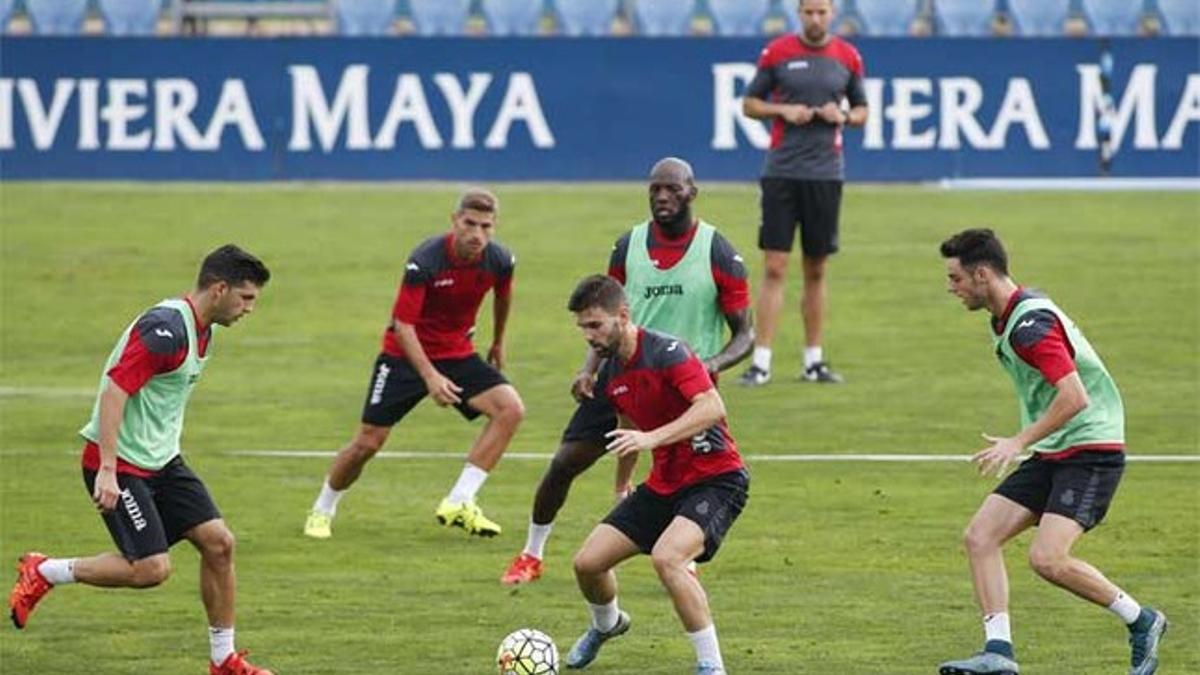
[593, 418]
[712, 504]
[396, 387]
[155, 512]
[814, 204]
[1080, 487]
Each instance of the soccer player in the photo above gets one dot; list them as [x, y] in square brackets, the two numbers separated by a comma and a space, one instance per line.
[682, 278]
[1073, 420]
[427, 350]
[799, 86]
[147, 496]
[697, 485]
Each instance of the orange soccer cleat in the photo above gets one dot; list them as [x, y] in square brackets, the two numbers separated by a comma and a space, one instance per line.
[236, 664]
[524, 569]
[30, 588]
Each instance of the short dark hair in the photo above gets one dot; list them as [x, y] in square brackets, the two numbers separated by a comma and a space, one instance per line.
[478, 199]
[234, 266]
[977, 246]
[600, 291]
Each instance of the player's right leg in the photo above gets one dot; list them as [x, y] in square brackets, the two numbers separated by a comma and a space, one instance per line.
[998, 520]
[780, 211]
[582, 444]
[603, 550]
[393, 390]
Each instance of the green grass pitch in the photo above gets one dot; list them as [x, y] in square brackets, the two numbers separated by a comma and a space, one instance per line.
[835, 567]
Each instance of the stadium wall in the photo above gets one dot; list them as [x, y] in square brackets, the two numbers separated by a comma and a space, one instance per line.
[573, 109]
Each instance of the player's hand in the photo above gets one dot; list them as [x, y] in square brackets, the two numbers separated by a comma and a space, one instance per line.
[797, 114]
[442, 390]
[106, 491]
[997, 457]
[495, 355]
[622, 492]
[583, 386]
[832, 113]
[628, 441]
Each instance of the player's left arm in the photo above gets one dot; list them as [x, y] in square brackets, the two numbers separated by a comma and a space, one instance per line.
[1041, 342]
[501, 306]
[855, 95]
[733, 296]
[706, 409]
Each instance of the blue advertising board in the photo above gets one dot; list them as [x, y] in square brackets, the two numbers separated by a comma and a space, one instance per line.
[570, 109]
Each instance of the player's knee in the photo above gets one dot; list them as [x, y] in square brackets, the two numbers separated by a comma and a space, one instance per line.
[977, 539]
[512, 412]
[562, 471]
[220, 546]
[775, 272]
[365, 446]
[668, 562]
[1048, 563]
[587, 565]
[152, 571]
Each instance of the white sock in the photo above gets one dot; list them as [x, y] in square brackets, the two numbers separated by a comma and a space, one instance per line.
[761, 358]
[328, 500]
[705, 642]
[995, 627]
[535, 541]
[469, 482]
[605, 617]
[58, 570]
[220, 641]
[812, 355]
[1125, 607]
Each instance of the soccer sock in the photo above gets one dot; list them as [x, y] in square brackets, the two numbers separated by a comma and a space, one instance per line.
[58, 570]
[220, 641]
[327, 501]
[762, 358]
[705, 643]
[605, 617]
[1125, 607]
[812, 355]
[535, 541]
[998, 634]
[469, 482]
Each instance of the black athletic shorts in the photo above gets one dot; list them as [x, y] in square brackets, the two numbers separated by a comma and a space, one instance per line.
[813, 204]
[593, 418]
[712, 504]
[396, 387]
[1079, 487]
[153, 513]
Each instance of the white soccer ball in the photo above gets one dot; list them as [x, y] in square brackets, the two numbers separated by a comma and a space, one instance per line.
[527, 652]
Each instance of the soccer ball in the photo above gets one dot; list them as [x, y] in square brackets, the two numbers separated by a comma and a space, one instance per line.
[527, 652]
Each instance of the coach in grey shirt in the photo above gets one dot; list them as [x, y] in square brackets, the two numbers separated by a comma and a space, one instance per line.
[800, 83]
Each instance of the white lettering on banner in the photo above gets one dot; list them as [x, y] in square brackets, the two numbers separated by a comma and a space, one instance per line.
[43, 124]
[311, 109]
[126, 106]
[727, 108]
[960, 99]
[1187, 112]
[309, 106]
[462, 105]
[520, 103]
[408, 105]
[904, 111]
[1136, 102]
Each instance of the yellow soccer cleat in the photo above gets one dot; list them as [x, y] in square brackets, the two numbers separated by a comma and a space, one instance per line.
[468, 516]
[319, 525]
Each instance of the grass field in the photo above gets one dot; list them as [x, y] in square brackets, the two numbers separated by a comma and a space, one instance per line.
[835, 567]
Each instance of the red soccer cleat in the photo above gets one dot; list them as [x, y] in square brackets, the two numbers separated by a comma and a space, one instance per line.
[236, 664]
[524, 569]
[30, 588]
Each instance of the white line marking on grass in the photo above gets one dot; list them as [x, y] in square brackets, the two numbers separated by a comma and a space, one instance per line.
[46, 392]
[751, 458]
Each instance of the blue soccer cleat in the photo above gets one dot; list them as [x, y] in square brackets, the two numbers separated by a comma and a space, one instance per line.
[982, 663]
[709, 668]
[1144, 636]
[586, 648]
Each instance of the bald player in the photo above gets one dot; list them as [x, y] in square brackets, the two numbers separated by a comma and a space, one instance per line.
[682, 277]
